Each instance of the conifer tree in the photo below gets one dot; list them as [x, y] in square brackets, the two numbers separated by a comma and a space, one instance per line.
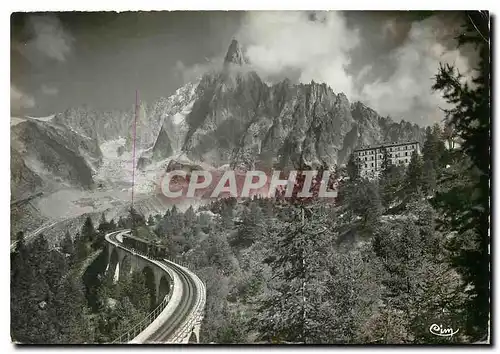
[104, 226]
[352, 168]
[413, 177]
[67, 244]
[122, 224]
[470, 116]
[252, 227]
[439, 146]
[428, 178]
[81, 248]
[288, 312]
[189, 216]
[88, 231]
[112, 225]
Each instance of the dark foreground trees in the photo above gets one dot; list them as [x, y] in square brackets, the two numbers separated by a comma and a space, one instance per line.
[56, 299]
[464, 198]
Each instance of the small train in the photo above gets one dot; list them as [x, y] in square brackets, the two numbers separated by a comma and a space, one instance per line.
[151, 249]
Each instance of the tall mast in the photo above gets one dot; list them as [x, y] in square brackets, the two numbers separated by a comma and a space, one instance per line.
[134, 138]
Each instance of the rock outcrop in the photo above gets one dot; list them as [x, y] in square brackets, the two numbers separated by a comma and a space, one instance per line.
[47, 154]
[238, 119]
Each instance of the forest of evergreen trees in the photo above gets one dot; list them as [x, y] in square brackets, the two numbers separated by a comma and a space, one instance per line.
[62, 295]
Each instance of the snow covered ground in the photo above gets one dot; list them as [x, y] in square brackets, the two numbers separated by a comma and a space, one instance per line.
[113, 181]
[43, 119]
[16, 120]
[116, 171]
[180, 117]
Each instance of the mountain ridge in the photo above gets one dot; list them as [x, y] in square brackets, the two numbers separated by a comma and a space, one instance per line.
[231, 116]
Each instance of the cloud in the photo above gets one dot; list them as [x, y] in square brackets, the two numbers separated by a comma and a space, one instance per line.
[49, 90]
[394, 69]
[194, 72]
[19, 100]
[48, 39]
[389, 28]
[407, 93]
[316, 45]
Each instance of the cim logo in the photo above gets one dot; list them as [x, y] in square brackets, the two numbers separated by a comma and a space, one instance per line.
[438, 330]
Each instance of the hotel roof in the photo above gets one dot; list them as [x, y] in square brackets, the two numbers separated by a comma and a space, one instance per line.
[385, 145]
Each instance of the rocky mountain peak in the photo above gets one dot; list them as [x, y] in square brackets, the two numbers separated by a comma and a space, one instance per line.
[362, 112]
[234, 54]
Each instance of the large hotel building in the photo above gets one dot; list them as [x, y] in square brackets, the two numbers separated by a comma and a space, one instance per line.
[370, 158]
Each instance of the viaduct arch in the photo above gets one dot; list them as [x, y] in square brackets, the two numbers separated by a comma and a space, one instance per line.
[170, 282]
[121, 263]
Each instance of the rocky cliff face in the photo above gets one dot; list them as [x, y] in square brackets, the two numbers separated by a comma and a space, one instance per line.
[23, 180]
[97, 125]
[47, 154]
[162, 147]
[238, 119]
[151, 117]
[232, 117]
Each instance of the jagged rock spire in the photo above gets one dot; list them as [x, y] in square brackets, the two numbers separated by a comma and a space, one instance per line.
[234, 54]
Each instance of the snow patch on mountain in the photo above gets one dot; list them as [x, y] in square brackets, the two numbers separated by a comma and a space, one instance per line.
[42, 119]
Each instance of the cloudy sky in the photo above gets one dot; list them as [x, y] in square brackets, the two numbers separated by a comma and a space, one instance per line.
[385, 59]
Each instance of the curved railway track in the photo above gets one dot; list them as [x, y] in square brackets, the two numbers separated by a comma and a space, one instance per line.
[186, 302]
